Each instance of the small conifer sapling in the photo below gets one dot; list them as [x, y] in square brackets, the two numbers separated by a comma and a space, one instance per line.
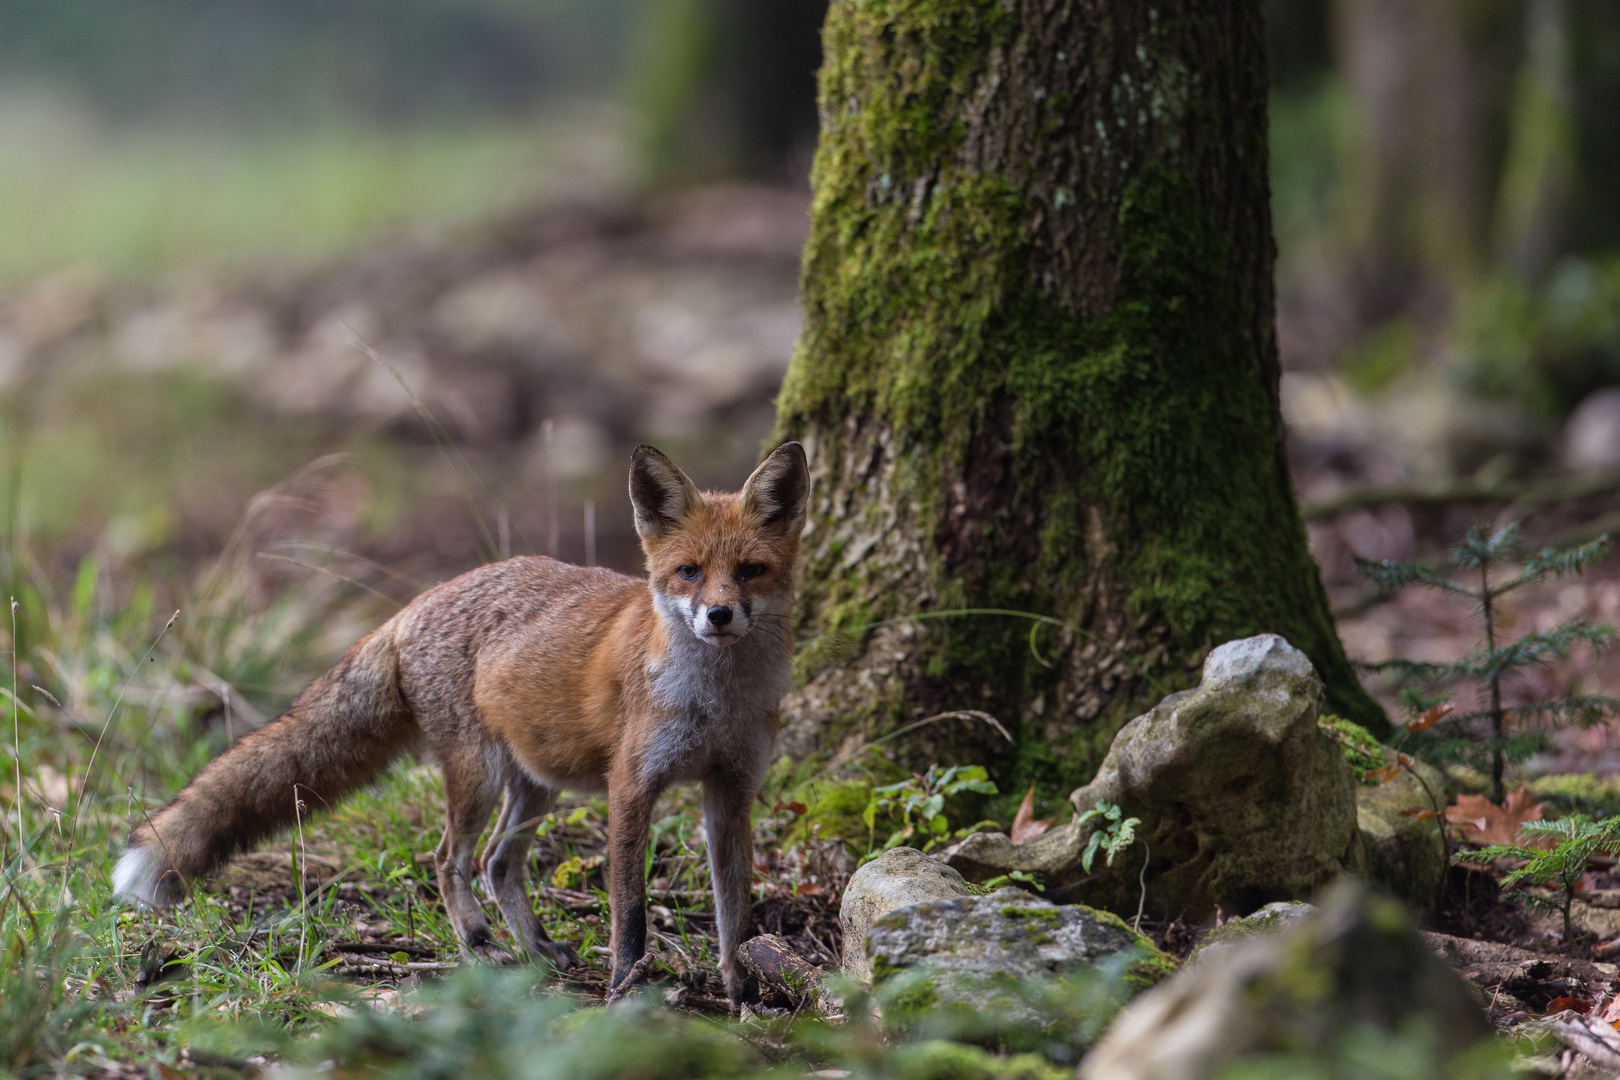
[1552, 855]
[1486, 567]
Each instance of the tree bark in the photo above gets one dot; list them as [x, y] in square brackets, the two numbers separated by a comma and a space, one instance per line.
[1038, 373]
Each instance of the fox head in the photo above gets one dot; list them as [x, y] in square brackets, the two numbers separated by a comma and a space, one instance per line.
[721, 564]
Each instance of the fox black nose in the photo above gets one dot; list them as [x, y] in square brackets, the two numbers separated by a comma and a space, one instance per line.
[719, 615]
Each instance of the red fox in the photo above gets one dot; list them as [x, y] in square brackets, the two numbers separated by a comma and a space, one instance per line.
[528, 676]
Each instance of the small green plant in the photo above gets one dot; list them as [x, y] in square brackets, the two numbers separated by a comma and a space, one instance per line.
[919, 804]
[1114, 833]
[1552, 856]
[1013, 878]
[1497, 732]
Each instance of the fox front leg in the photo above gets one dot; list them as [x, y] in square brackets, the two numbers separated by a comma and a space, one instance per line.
[726, 802]
[629, 826]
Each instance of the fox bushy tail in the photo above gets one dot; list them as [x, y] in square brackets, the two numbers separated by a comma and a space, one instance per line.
[338, 735]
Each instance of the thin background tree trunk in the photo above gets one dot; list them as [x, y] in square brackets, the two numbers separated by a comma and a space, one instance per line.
[1038, 372]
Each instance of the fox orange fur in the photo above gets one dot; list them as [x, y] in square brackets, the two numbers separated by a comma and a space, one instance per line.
[528, 676]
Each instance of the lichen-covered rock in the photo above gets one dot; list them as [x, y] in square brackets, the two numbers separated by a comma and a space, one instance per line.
[1405, 853]
[1271, 919]
[898, 878]
[1242, 799]
[976, 944]
[1357, 970]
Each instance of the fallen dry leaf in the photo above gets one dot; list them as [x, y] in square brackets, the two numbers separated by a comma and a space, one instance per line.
[1560, 1004]
[1482, 821]
[1024, 826]
[1611, 1013]
[1430, 717]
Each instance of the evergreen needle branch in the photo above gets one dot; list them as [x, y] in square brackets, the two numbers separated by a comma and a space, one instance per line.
[1533, 648]
[1392, 576]
[1552, 855]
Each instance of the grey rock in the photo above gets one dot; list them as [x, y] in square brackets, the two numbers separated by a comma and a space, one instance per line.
[898, 878]
[1359, 966]
[1592, 433]
[1271, 919]
[1242, 799]
[1405, 855]
[976, 944]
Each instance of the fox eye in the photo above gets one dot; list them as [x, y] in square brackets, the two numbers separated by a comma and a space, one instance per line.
[687, 572]
[749, 571]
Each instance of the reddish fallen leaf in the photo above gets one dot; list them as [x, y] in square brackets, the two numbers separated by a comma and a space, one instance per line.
[1024, 826]
[1417, 813]
[797, 807]
[1561, 1004]
[1482, 821]
[1430, 717]
[809, 888]
[1386, 774]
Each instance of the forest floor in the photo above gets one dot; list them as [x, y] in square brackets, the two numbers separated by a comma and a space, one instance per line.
[284, 462]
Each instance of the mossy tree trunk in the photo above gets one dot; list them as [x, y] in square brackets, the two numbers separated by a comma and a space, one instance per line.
[1038, 372]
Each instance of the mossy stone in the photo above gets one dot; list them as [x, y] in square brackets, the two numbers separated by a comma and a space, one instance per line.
[971, 946]
[1242, 799]
[1358, 969]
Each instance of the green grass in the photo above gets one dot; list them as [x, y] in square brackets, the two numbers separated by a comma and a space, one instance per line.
[134, 202]
[248, 966]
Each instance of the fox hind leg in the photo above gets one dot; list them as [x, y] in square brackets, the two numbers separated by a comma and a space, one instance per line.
[506, 862]
[469, 796]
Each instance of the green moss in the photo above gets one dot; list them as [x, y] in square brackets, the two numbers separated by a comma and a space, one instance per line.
[938, 1059]
[1050, 916]
[1152, 965]
[1578, 792]
[919, 993]
[833, 811]
[1149, 971]
[895, 920]
[1150, 424]
[1362, 752]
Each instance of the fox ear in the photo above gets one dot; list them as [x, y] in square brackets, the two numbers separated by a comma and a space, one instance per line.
[660, 493]
[779, 491]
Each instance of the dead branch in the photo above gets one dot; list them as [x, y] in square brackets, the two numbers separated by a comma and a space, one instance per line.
[786, 979]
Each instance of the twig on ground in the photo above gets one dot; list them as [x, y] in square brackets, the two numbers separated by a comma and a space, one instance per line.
[637, 974]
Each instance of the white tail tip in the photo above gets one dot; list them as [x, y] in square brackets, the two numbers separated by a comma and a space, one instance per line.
[137, 875]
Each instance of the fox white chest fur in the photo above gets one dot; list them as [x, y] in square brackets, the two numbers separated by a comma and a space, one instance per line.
[720, 699]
